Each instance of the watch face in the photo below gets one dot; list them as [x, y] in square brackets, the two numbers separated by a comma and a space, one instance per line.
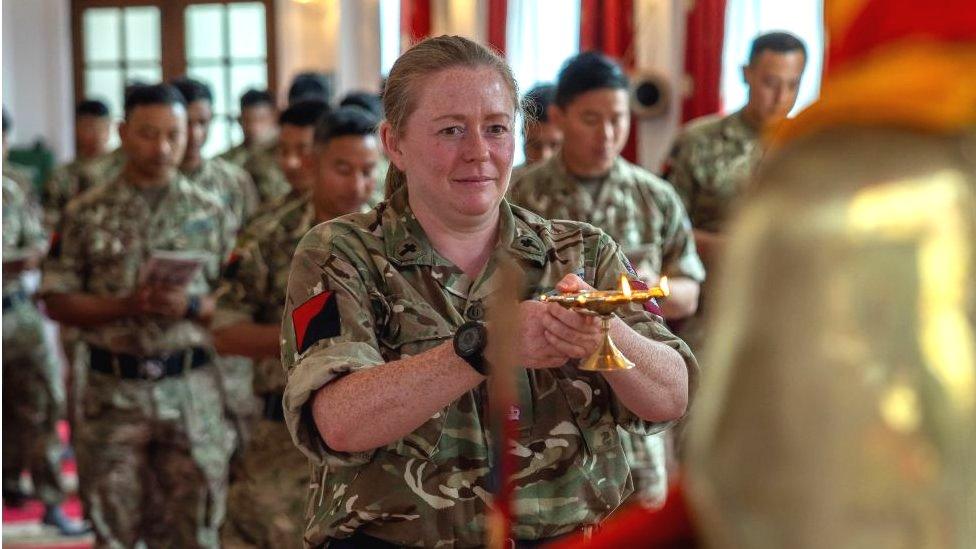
[469, 340]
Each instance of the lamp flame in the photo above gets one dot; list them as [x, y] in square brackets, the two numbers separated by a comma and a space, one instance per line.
[625, 286]
[663, 284]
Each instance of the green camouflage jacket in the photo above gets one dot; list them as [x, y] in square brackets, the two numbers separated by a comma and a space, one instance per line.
[262, 164]
[396, 296]
[23, 234]
[637, 209]
[108, 234]
[711, 164]
[231, 185]
[256, 277]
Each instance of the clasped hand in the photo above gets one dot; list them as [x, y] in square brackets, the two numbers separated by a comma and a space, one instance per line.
[551, 335]
[164, 301]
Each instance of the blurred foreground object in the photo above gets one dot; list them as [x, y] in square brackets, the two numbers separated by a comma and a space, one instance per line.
[838, 407]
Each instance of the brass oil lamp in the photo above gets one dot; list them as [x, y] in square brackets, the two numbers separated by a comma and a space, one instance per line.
[602, 303]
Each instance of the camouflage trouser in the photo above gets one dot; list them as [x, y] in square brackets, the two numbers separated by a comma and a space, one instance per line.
[647, 457]
[156, 454]
[241, 406]
[266, 505]
[33, 402]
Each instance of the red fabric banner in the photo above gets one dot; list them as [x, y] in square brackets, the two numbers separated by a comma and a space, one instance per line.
[497, 24]
[415, 20]
[704, 34]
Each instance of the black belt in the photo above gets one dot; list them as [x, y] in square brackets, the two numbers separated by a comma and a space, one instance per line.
[14, 298]
[274, 409]
[363, 541]
[152, 368]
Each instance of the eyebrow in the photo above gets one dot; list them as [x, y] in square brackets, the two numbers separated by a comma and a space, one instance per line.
[461, 118]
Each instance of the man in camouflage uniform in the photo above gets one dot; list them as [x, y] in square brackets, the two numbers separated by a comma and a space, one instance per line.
[33, 392]
[266, 503]
[714, 158]
[256, 154]
[396, 298]
[18, 174]
[588, 181]
[232, 185]
[295, 160]
[542, 137]
[154, 442]
[92, 125]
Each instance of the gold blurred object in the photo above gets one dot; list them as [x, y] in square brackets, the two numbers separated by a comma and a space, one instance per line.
[838, 403]
[602, 303]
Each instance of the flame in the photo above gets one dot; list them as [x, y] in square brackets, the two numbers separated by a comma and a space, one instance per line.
[663, 284]
[625, 285]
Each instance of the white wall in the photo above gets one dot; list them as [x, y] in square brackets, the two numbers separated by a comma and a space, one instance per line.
[659, 47]
[307, 39]
[37, 84]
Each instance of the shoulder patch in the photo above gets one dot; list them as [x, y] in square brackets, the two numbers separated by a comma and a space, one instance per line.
[316, 319]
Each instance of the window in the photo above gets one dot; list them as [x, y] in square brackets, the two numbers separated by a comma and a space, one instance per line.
[226, 43]
[389, 34]
[745, 19]
[540, 36]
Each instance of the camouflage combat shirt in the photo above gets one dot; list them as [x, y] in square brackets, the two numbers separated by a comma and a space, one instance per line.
[396, 296]
[710, 165]
[231, 185]
[262, 164]
[256, 277]
[108, 234]
[637, 209]
[23, 234]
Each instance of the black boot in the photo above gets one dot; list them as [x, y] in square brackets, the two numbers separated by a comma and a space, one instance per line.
[54, 516]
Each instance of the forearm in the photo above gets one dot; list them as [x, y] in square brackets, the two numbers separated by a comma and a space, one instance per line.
[85, 310]
[394, 399]
[656, 389]
[683, 301]
[249, 339]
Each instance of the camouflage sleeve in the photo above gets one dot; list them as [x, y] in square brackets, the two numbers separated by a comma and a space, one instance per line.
[327, 331]
[249, 190]
[243, 287]
[34, 237]
[611, 265]
[54, 195]
[679, 255]
[64, 269]
[681, 172]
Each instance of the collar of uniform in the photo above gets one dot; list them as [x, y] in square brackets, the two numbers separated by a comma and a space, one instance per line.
[406, 242]
[736, 127]
[179, 182]
[569, 183]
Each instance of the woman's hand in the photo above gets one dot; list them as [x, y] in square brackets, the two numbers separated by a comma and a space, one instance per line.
[568, 332]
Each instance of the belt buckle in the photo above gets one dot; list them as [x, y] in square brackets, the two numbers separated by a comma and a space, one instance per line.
[153, 369]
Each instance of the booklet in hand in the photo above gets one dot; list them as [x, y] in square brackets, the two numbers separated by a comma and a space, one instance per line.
[171, 268]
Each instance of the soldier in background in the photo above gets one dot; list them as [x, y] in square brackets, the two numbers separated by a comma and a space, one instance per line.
[542, 137]
[33, 384]
[589, 181]
[92, 127]
[714, 158]
[230, 184]
[154, 442]
[266, 502]
[18, 174]
[310, 85]
[257, 121]
[372, 103]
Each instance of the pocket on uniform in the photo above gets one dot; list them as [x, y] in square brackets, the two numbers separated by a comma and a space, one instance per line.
[587, 400]
[412, 328]
[422, 442]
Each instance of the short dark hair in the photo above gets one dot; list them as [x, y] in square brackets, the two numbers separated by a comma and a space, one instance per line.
[349, 120]
[779, 42]
[365, 100]
[586, 72]
[255, 98]
[310, 85]
[193, 90]
[536, 103]
[156, 94]
[304, 113]
[91, 107]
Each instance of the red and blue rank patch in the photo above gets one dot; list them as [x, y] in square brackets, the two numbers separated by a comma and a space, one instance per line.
[315, 320]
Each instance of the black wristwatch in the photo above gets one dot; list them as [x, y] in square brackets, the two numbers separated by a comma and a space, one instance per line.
[470, 341]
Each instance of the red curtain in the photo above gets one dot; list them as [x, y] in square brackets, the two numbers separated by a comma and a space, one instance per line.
[703, 58]
[497, 22]
[415, 20]
[608, 26]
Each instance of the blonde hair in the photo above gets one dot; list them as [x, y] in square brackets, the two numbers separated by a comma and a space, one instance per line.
[423, 59]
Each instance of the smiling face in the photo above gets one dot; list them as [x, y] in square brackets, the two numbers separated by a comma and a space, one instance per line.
[456, 147]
